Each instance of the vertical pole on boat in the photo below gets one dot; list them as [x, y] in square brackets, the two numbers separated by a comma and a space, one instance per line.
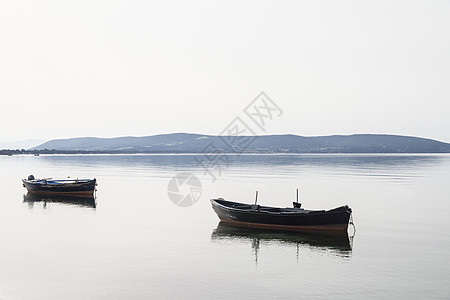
[296, 204]
[256, 198]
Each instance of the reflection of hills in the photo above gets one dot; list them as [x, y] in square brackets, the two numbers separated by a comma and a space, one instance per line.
[364, 161]
[385, 167]
[336, 244]
[70, 200]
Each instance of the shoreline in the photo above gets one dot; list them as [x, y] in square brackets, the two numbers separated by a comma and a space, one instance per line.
[76, 152]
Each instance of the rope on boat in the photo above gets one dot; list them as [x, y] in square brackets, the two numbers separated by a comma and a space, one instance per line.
[352, 223]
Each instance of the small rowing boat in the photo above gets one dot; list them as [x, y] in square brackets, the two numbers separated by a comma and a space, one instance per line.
[292, 219]
[60, 186]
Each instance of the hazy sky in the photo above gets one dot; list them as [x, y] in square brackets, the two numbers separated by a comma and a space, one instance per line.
[115, 68]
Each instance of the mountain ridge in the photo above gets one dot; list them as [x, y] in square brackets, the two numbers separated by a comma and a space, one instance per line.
[281, 143]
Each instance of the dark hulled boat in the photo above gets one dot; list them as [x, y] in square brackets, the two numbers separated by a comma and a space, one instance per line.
[61, 187]
[296, 218]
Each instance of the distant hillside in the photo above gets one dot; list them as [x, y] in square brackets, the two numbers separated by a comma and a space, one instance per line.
[196, 143]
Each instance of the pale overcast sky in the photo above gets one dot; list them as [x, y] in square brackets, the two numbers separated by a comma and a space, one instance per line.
[115, 68]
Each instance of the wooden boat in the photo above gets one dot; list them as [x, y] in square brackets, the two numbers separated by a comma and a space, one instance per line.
[295, 219]
[60, 186]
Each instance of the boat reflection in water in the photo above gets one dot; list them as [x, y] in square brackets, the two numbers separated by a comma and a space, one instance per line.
[337, 244]
[83, 201]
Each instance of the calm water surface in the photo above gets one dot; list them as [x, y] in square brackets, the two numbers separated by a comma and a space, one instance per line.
[134, 243]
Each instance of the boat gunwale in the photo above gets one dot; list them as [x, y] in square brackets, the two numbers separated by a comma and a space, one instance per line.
[56, 181]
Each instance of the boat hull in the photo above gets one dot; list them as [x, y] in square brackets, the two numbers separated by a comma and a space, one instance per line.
[335, 220]
[61, 187]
